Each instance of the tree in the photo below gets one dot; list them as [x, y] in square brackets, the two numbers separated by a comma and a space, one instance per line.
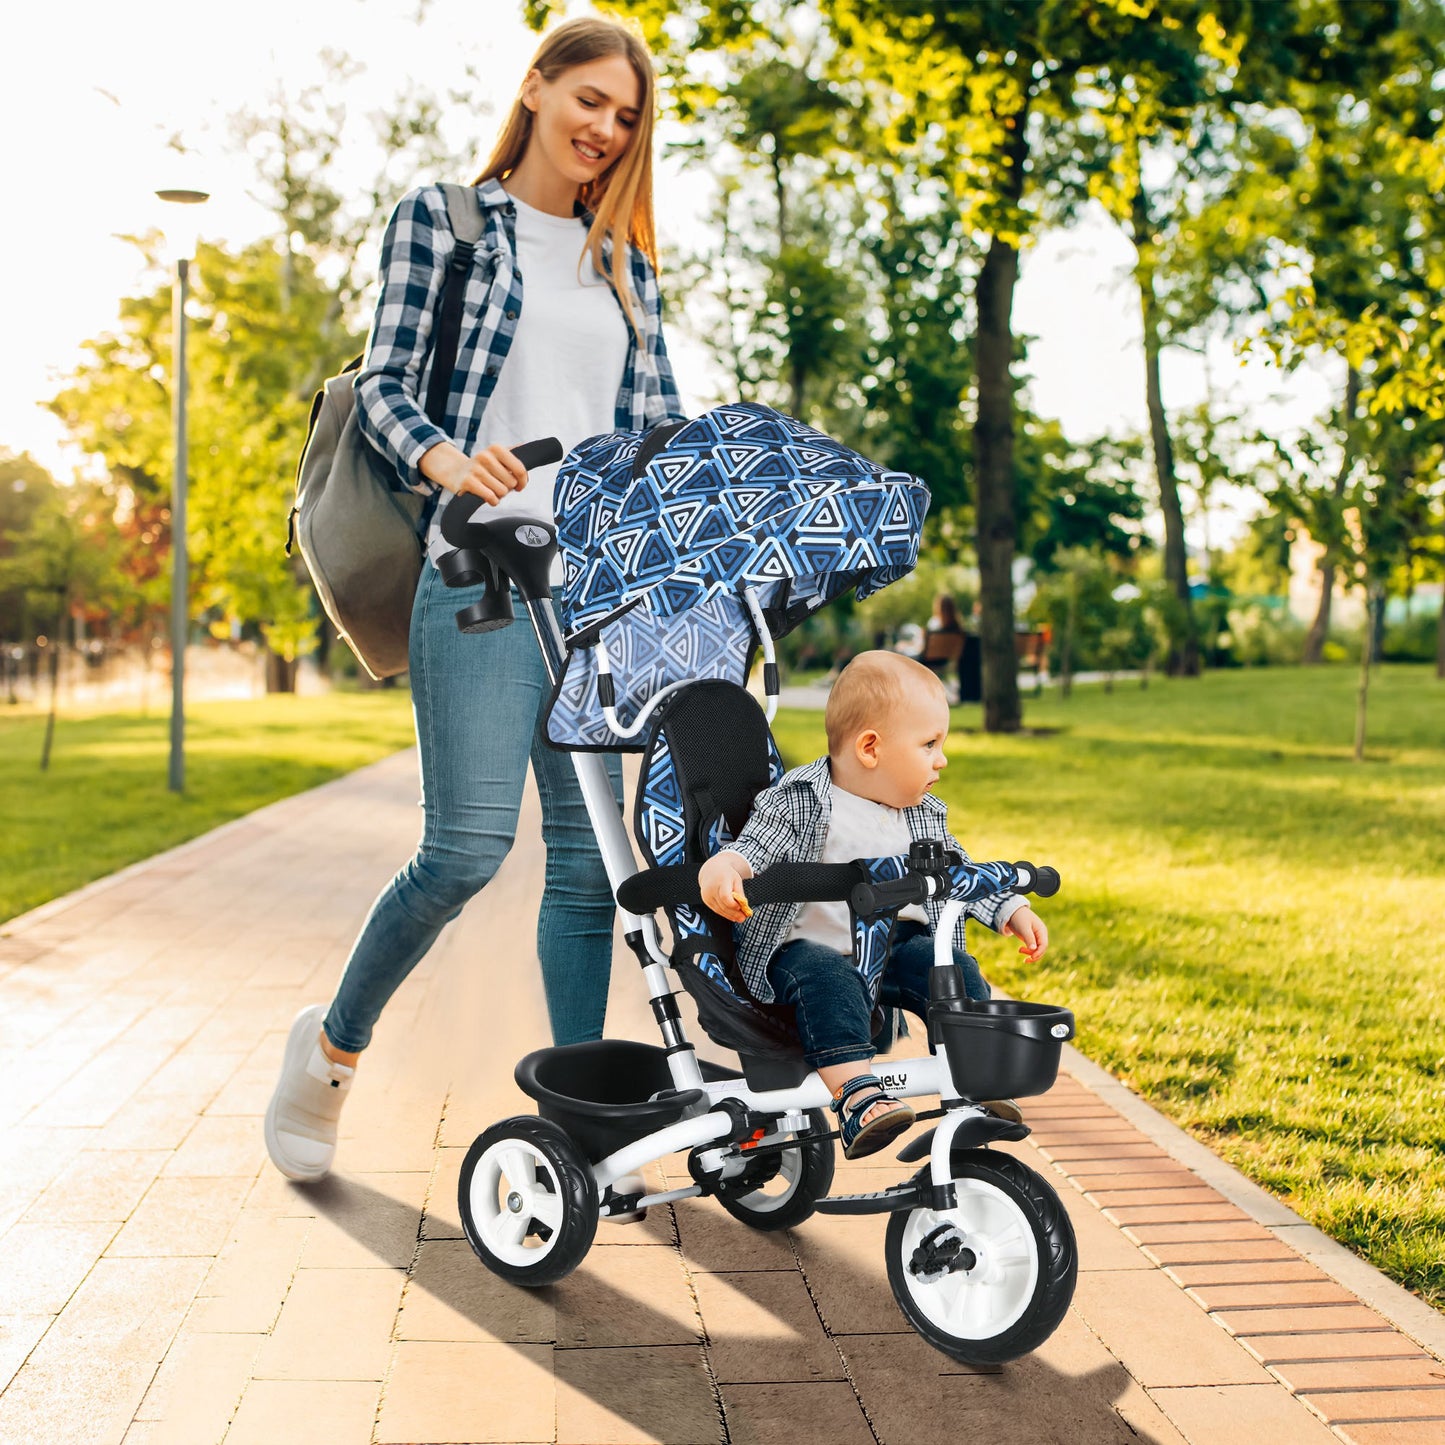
[270, 320]
[60, 559]
[26, 489]
[1036, 102]
[1351, 201]
[1078, 496]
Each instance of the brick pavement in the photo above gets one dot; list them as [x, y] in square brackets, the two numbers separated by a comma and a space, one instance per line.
[160, 1283]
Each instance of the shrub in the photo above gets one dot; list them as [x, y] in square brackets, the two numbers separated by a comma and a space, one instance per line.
[1264, 636]
[1413, 640]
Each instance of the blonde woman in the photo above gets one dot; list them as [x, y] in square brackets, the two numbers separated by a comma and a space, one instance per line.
[566, 199]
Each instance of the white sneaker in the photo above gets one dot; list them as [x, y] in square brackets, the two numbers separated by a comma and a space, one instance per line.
[625, 1185]
[302, 1116]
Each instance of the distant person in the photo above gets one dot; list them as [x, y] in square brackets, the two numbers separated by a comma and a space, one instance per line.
[870, 797]
[566, 199]
[943, 637]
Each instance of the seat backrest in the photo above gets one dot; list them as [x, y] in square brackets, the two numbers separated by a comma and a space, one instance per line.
[708, 756]
[942, 647]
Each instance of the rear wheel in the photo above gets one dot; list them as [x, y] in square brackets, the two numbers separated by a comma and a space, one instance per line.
[782, 1189]
[528, 1201]
[990, 1279]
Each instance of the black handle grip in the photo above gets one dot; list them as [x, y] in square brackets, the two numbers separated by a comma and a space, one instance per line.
[540, 453]
[462, 507]
[1045, 880]
[803, 883]
[676, 886]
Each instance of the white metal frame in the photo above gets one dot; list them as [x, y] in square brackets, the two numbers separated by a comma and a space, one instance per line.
[904, 1078]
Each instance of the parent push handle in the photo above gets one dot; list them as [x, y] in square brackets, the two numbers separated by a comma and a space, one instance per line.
[500, 552]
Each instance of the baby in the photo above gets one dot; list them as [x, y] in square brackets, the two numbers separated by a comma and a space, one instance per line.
[887, 723]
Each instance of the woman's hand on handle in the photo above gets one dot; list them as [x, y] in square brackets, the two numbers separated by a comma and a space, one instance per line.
[490, 475]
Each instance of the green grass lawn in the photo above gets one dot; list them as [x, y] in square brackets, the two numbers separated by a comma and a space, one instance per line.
[1250, 928]
[104, 803]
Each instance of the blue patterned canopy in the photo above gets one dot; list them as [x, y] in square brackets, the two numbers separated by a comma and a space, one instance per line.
[740, 495]
[660, 532]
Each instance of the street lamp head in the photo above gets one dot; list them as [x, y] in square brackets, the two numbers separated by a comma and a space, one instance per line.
[182, 227]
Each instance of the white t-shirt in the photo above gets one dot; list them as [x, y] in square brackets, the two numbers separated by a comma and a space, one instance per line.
[857, 828]
[564, 369]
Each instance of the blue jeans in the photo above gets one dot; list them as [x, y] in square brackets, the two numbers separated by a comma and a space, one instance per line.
[477, 701]
[834, 1012]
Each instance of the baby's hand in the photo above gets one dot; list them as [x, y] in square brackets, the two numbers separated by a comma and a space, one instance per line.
[1026, 926]
[720, 881]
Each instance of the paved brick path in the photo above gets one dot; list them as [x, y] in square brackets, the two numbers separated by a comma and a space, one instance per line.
[160, 1283]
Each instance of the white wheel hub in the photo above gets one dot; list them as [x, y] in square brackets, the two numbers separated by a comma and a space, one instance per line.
[991, 1294]
[514, 1189]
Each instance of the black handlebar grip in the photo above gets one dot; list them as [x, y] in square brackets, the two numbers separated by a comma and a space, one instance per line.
[1045, 880]
[540, 453]
[672, 887]
[803, 883]
[462, 507]
[676, 886]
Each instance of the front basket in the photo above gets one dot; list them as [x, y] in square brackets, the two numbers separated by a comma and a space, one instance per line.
[1002, 1048]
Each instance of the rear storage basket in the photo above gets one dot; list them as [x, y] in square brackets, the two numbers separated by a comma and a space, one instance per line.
[1002, 1049]
[601, 1092]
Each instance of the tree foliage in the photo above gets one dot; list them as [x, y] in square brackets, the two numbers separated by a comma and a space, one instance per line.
[268, 321]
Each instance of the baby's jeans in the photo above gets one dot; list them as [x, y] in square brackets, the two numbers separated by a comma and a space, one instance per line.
[477, 700]
[827, 991]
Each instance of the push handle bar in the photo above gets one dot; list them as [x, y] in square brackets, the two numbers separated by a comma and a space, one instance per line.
[460, 510]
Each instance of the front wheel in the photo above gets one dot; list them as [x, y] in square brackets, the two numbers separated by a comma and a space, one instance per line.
[528, 1201]
[782, 1189]
[990, 1279]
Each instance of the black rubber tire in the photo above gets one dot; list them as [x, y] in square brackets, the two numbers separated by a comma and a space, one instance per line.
[1058, 1262]
[570, 1176]
[815, 1179]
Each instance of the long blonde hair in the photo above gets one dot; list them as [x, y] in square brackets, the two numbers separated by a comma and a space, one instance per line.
[620, 199]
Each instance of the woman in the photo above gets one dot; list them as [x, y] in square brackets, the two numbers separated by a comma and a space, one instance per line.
[566, 199]
[943, 638]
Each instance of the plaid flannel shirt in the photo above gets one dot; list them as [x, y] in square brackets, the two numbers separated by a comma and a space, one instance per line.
[396, 371]
[789, 824]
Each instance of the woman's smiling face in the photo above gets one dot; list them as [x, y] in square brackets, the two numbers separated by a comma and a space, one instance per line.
[584, 119]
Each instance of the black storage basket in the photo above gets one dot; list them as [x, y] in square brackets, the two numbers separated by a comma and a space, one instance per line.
[1003, 1048]
[601, 1092]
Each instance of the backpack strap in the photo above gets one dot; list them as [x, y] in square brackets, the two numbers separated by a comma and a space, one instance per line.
[464, 212]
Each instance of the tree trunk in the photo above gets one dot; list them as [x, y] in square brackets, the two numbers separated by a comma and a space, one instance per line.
[1440, 640]
[280, 673]
[993, 458]
[1183, 651]
[1376, 603]
[994, 488]
[55, 643]
[1066, 649]
[1316, 637]
[1319, 631]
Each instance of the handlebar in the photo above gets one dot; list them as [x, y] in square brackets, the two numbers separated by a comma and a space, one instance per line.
[460, 510]
[676, 886]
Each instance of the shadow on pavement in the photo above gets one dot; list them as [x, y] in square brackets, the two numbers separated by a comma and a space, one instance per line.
[911, 1394]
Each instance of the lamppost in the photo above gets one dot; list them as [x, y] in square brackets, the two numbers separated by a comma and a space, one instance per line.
[181, 237]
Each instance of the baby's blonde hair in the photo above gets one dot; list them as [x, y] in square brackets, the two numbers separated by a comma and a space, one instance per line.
[868, 692]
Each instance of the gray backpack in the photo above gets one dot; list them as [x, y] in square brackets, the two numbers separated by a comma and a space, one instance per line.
[361, 537]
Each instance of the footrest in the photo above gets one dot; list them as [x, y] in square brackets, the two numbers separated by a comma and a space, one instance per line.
[885, 1201]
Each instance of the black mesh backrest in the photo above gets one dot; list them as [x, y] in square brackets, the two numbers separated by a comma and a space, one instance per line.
[708, 756]
[721, 752]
